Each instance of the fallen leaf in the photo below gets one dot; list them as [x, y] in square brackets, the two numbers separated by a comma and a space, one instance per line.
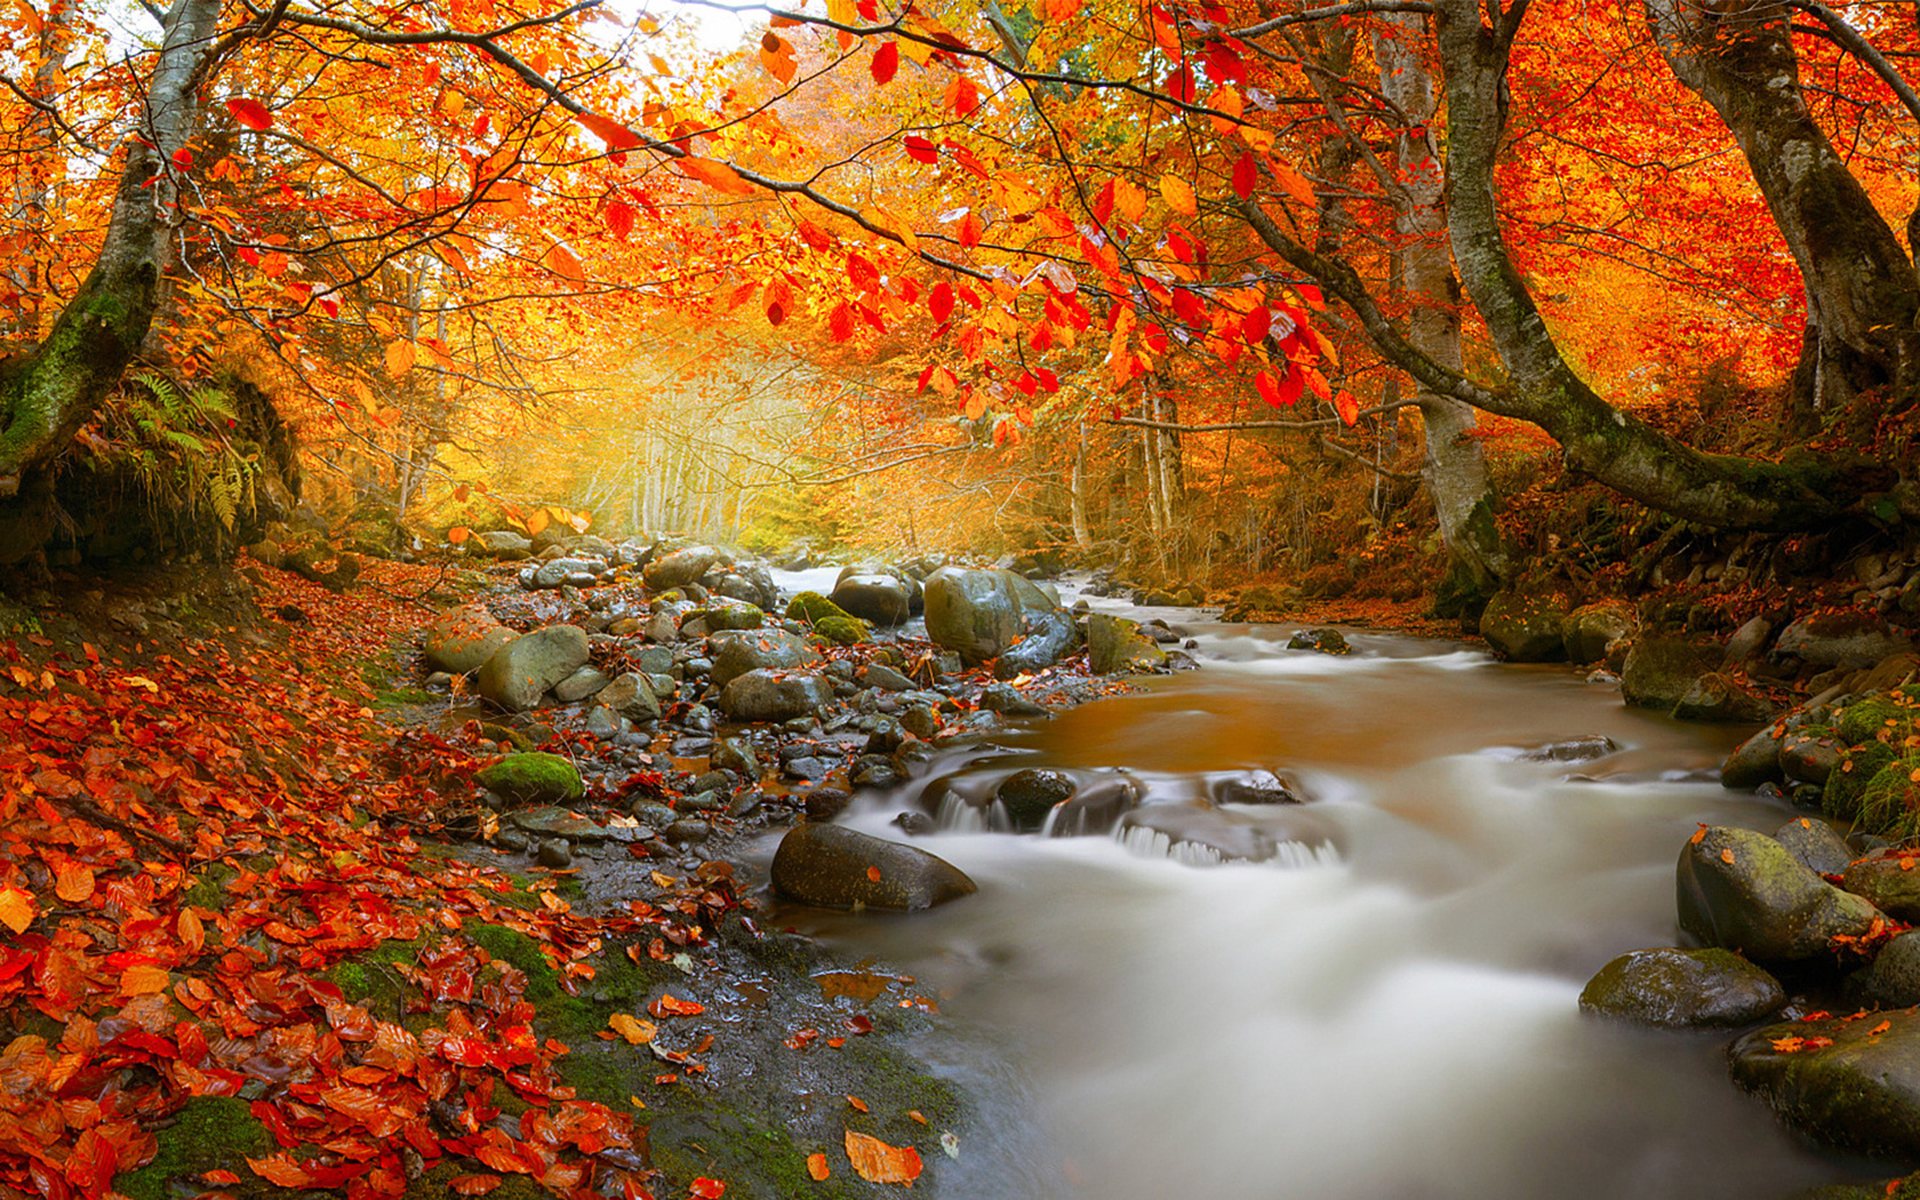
[858, 1103]
[674, 1006]
[817, 1167]
[636, 1031]
[73, 882]
[873, 873]
[707, 1189]
[876, 1162]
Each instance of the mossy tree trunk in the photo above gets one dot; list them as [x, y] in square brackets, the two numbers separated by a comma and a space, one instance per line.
[51, 391]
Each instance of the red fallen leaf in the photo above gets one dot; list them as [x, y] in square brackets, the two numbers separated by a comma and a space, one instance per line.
[836, 1042]
[860, 1023]
[220, 1177]
[886, 62]
[674, 1006]
[1882, 1027]
[251, 113]
[474, 1185]
[280, 1170]
[876, 1162]
[1697, 835]
[873, 873]
[858, 1104]
[817, 1169]
[1818, 1043]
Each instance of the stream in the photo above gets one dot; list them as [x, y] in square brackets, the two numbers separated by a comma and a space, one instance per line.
[1394, 1019]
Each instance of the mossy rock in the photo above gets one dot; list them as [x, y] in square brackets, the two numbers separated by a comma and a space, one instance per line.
[842, 631]
[814, 608]
[211, 1133]
[1847, 783]
[533, 778]
[1865, 720]
[1890, 802]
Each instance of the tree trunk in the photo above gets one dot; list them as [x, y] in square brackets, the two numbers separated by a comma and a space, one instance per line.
[1862, 293]
[58, 385]
[1455, 470]
[1077, 490]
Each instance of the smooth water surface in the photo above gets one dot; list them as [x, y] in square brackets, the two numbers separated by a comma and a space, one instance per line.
[1400, 1023]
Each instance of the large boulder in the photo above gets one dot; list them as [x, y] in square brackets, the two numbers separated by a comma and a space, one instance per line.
[520, 672]
[977, 614]
[463, 639]
[831, 866]
[1847, 638]
[1659, 670]
[883, 599]
[1028, 796]
[1524, 628]
[1743, 891]
[506, 544]
[1683, 989]
[1117, 644]
[1754, 762]
[764, 695]
[1717, 697]
[680, 567]
[1050, 635]
[1815, 845]
[630, 695]
[1591, 631]
[737, 652]
[1848, 1082]
[566, 569]
[1889, 880]
[1894, 979]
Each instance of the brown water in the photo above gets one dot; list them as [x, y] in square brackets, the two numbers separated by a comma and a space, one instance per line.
[1399, 1023]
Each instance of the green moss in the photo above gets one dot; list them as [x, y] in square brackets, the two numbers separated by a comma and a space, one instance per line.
[209, 887]
[1890, 803]
[842, 631]
[1864, 721]
[212, 1132]
[370, 979]
[500, 733]
[533, 778]
[814, 608]
[617, 984]
[1848, 781]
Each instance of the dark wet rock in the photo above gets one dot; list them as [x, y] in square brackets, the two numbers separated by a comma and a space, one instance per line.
[532, 778]
[680, 568]
[1743, 891]
[1815, 845]
[1050, 636]
[1747, 640]
[735, 653]
[1659, 670]
[553, 573]
[1116, 644]
[1007, 700]
[1592, 632]
[1252, 787]
[920, 720]
[604, 724]
[511, 840]
[763, 695]
[550, 821]
[1851, 1083]
[975, 613]
[578, 686]
[824, 804]
[630, 695]
[830, 866]
[884, 677]
[687, 829]
[1682, 989]
[520, 672]
[1524, 628]
[1199, 833]
[1809, 759]
[879, 598]
[735, 754]
[806, 767]
[1890, 880]
[1321, 641]
[1028, 796]
[554, 853]
[914, 824]
[1754, 762]
[1894, 979]
[875, 771]
[1096, 807]
[1717, 697]
[1847, 638]
[652, 812]
[463, 639]
[1571, 750]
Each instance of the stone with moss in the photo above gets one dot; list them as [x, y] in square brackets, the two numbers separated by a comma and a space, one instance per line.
[841, 631]
[1889, 804]
[533, 778]
[813, 607]
[211, 1133]
[1865, 720]
[1744, 891]
[1672, 988]
[1848, 780]
[1848, 1083]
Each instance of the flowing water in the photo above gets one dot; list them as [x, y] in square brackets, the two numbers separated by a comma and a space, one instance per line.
[1394, 1018]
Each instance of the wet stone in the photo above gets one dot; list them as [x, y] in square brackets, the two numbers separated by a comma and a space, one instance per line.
[554, 853]
[553, 822]
[687, 829]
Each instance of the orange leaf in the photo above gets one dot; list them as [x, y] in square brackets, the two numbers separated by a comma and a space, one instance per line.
[873, 873]
[1296, 184]
[561, 262]
[876, 1162]
[73, 882]
[707, 1189]
[617, 136]
[917, 1115]
[858, 1104]
[474, 1185]
[192, 934]
[16, 908]
[963, 96]
[143, 979]
[400, 357]
[1726, 856]
[674, 1006]
[280, 1170]
[540, 519]
[716, 175]
[1882, 1027]
[1178, 194]
[817, 1167]
[458, 534]
[636, 1031]
[251, 113]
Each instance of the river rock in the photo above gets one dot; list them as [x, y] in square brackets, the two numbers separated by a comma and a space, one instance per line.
[750, 582]
[1197, 832]
[1815, 846]
[1659, 670]
[1028, 796]
[1571, 750]
[1320, 641]
[630, 695]
[1096, 806]
[1117, 644]
[1591, 632]
[506, 544]
[831, 866]
[680, 567]
[1251, 787]
[768, 695]
[1890, 880]
[554, 572]
[1754, 762]
[1847, 638]
[1007, 700]
[1743, 891]
[1050, 634]
[974, 613]
[1524, 628]
[1894, 979]
[723, 613]
[737, 652]
[1717, 697]
[1852, 1083]
[884, 677]
[1808, 758]
[520, 672]
[879, 598]
[1683, 989]
[463, 639]
[532, 778]
[579, 685]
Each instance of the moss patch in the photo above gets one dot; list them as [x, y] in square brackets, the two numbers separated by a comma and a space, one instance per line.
[842, 631]
[813, 607]
[212, 1132]
[1865, 720]
[533, 778]
[617, 983]
[1847, 783]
